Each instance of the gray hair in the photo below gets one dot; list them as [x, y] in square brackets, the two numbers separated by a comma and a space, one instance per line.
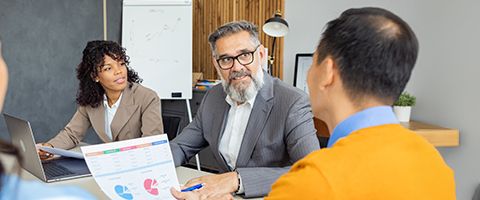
[232, 28]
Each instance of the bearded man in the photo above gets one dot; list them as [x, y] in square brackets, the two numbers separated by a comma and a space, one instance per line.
[256, 125]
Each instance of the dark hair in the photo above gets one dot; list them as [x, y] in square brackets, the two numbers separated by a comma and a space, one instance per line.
[375, 51]
[232, 28]
[90, 93]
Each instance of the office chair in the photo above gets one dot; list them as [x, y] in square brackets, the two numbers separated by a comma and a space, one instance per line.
[323, 141]
[171, 126]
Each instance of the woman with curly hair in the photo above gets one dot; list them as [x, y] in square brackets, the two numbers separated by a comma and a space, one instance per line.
[110, 99]
[11, 185]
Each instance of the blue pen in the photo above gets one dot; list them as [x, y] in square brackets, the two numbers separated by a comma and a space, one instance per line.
[195, 187]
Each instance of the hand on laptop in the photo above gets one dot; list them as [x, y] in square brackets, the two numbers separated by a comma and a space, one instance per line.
[43, 154]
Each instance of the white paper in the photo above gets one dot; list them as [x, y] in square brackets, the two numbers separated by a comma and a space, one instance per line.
[139, 168]
[61, 152]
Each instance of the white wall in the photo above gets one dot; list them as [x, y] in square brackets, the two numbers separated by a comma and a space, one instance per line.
[445, 79]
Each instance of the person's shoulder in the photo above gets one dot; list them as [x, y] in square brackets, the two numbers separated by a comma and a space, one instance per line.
[142, 91]
[304, 180]
[216, 92]
[314, 157]
[396, 133]
[139, 88]
[281, 86]
[388, 142]
[327, 158]
[287, 93]
[216, 89]
[403, 137]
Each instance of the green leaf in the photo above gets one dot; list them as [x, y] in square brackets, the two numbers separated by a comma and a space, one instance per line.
[405, 99]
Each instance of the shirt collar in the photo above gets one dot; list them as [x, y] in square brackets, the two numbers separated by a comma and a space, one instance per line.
[369, 117]
[116, 104]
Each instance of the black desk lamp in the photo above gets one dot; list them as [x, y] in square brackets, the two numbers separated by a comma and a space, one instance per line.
[275, 27]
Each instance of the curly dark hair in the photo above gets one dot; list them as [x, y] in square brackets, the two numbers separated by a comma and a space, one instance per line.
[90, 93]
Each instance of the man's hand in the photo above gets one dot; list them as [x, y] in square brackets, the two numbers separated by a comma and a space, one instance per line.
[215, 185]
[43, 154]
[195, 195]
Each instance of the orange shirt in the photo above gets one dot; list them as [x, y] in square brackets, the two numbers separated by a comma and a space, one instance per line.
[380, 162]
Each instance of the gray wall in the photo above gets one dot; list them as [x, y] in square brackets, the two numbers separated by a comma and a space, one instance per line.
[445, 79]
[42, 44]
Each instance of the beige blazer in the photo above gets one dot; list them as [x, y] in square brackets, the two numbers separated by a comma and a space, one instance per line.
[138, 115]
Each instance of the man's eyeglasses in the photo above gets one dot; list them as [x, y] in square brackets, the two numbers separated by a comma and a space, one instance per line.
[246, 58]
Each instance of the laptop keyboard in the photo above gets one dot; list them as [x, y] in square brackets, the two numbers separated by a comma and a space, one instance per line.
[54, 170]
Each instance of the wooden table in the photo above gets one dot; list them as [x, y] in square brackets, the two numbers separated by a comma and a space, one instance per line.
[88, 183]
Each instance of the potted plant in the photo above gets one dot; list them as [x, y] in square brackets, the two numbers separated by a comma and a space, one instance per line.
[403, 106]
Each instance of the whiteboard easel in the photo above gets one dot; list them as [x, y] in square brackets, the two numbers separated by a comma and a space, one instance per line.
[158, 37]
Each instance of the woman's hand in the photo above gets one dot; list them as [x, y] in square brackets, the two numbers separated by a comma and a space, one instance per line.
[43, 154]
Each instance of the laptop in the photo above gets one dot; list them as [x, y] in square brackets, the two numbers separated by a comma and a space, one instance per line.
[58, 169]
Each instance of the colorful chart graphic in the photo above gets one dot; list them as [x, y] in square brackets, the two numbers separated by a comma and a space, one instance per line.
[123, 192]
[151, 186]
[144, 165]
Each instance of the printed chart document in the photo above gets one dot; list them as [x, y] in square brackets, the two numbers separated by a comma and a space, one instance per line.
[61, 152]
[139, 168]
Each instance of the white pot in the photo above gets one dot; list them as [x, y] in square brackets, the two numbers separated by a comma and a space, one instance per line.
[402, 113]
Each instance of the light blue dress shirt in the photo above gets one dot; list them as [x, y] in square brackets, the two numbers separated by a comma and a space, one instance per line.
[14, 188]
[374, 116]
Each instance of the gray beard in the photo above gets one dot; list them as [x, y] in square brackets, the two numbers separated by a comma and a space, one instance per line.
[241, 94]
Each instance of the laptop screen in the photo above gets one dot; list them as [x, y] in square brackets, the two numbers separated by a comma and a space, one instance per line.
[22, 137]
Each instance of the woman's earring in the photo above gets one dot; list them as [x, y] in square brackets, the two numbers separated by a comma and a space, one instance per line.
[96, 80]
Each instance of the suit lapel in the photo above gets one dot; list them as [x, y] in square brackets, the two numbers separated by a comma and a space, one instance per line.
[97, 118]
[124, 112]
[259, 115]
[217, 130]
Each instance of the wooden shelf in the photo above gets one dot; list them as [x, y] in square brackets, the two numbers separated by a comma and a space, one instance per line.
[438, 136]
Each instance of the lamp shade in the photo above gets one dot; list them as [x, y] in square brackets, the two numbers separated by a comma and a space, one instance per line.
[276, 26]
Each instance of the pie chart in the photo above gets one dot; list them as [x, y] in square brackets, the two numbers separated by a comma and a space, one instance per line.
[151, 186]
[123, 192]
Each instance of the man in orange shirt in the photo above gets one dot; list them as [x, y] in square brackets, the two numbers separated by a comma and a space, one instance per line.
[362, 64]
